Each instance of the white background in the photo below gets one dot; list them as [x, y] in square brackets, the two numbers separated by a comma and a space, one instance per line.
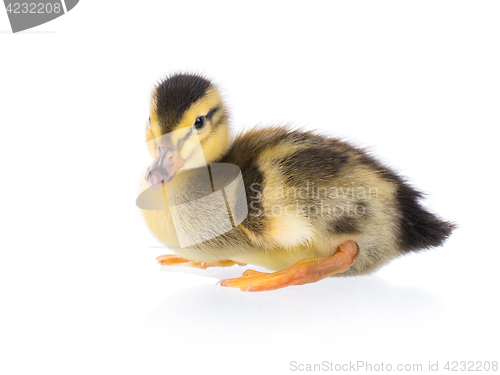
[416, 82]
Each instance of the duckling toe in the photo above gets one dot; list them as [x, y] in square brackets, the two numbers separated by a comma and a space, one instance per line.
[175, 260]
[253, 273]
[171, 259]
[303, 272]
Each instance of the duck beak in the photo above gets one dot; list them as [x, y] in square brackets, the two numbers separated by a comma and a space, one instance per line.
[163, 169]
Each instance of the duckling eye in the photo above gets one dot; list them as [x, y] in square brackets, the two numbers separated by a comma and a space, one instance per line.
[200, 123]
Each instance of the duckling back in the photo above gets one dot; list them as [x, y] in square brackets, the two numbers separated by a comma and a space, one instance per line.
[306, 193]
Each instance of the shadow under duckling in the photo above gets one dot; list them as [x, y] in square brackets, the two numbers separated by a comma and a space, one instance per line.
[314, 206]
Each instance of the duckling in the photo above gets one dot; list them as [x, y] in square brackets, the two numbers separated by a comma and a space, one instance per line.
[313, 206]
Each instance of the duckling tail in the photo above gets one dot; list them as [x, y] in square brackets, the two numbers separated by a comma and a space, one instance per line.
[419, 228]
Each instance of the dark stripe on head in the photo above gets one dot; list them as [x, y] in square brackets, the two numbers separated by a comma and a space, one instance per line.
[175, 95]
[183, 140]
[222, 118]
[211, 113]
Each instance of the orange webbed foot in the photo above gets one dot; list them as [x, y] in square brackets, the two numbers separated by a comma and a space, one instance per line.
[175, 260]
[302, 272]
[253, 273]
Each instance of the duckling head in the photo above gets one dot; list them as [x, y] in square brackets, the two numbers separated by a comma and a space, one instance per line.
[188, 127]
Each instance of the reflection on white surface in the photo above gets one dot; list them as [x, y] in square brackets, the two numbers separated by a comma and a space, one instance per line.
[339, 308]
